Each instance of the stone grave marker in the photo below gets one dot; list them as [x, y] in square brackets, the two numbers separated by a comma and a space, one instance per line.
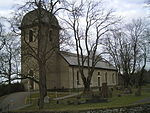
[104, 90]
[46, 99]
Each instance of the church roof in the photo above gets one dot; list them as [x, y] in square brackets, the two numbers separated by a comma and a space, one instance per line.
[71, 59]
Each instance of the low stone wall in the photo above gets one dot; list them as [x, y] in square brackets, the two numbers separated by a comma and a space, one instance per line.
[143, 108]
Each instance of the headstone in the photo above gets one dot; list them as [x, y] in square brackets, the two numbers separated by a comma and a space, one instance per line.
[58, 102]
[127, 91]
[104, 90]
[46, 99]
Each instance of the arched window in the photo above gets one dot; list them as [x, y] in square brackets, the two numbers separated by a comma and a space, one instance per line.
[113, 78]
[99, 81]
[50, 35]
[30, 36]
[78, 79]
[106, 77]
[30, 72]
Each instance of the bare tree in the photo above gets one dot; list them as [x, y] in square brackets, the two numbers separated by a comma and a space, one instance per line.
[40, 53]
[87, 22]
[127, 50]
[9, 58]
[65, 41]
[10, 52]
[2, 31]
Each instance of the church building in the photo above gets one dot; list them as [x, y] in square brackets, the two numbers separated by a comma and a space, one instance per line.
[62, 67]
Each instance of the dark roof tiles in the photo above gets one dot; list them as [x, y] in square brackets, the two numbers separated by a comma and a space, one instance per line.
[71, 58]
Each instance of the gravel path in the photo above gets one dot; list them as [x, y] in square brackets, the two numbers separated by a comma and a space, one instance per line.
[146, 100]
[14, 101]
[17, 100]
[68, 96]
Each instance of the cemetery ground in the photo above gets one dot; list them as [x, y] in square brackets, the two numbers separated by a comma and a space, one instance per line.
[79, 102]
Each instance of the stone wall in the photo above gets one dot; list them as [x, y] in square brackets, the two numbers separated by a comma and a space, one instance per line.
[143, 108]
[131, 109]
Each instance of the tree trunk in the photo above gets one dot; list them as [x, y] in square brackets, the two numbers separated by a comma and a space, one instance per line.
[140, 81]
[126, 81]
[87, 86]
[9, 70]
[9, 79]
[127, 89]
[87, 82]
[138, 92]
[42, 85]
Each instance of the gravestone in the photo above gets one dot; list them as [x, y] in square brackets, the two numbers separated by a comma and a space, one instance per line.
[104, 90]
[46, 99]
[127, 91]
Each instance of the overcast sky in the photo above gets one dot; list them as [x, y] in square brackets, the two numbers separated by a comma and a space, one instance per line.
[128, 9]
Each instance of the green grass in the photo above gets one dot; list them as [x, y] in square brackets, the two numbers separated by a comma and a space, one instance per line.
[146, 86]
[115, 101]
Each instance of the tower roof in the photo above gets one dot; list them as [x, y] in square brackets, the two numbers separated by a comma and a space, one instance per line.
[31, 18]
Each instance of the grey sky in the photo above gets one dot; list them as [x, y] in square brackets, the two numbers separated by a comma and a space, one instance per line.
[128, 9]
[6, 7]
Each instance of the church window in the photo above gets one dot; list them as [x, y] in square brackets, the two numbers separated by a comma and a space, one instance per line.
[99, 81]
[98, 73]
[113, 78]
[30, 36]
[30, 72]
[50, 35]
[78, 79]
[106, 77]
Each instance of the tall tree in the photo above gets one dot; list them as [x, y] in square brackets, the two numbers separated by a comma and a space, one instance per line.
[44, 53]
[2, 31]
[87, 22]
[9, 58]
[127, 49]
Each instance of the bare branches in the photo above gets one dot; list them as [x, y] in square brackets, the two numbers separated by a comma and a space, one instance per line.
[126, 48]
[41, 49]
[9, 59]
[88, 21]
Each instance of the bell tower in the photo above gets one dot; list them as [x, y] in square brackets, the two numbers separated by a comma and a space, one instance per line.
[40, 35]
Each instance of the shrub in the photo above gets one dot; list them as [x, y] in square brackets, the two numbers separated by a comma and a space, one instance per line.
[7, 89]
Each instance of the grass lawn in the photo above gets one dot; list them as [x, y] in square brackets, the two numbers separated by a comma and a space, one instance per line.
[115, 101]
